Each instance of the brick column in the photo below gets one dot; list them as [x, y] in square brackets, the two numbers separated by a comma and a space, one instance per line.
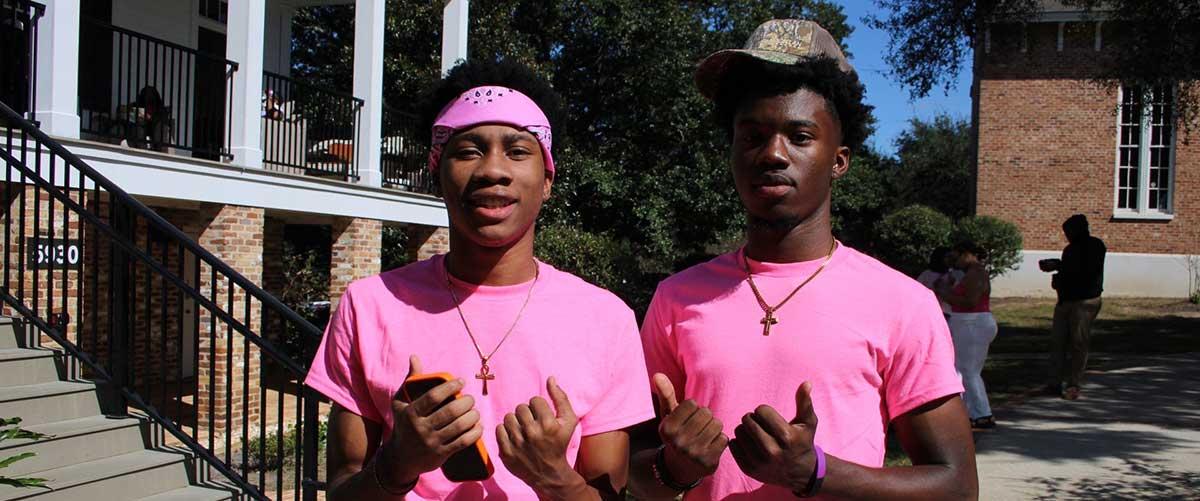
[425, 242]
[355, 253]
[235, 235]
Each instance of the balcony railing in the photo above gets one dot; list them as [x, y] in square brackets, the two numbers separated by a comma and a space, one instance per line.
[159, 95]
[404, 156]
[18, 54]
[310, 130]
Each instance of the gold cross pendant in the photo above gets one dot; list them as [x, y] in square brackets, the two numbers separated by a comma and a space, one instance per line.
[485, 375]
[768, 321]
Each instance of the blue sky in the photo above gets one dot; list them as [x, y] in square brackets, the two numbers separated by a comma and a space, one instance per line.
[893, 107]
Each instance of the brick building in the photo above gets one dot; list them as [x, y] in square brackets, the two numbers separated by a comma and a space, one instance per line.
[190, 108]
[1053, 143]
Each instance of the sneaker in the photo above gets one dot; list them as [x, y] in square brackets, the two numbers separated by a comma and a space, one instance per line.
[1071, 393]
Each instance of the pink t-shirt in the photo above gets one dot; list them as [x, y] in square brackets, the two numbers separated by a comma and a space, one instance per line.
[583, 335]
[872, 341]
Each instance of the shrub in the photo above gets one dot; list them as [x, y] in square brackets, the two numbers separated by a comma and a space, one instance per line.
[395, 249]
[601, 259]
[904, 238]
[264, 452]
[306, 291]
[1001, 239]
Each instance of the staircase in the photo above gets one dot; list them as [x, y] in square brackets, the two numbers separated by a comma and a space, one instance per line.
[88, 455]
[95, 355]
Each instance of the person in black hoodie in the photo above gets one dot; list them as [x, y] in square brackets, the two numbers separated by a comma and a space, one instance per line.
[1079, 281]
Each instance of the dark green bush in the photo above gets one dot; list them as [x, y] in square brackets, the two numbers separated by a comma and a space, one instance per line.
[601, 259]
[904, 238]
[1001, 239]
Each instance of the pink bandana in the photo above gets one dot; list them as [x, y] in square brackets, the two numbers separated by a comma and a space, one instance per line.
[495, 105]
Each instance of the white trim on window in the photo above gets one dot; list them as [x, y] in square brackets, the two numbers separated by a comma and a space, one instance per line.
[1141, 208]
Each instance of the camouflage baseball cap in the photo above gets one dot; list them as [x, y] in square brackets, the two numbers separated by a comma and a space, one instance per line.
[781, 41]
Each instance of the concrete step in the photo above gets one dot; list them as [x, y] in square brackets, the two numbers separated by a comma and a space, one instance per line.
[118, 478]
[74, 441]
[49, 402]
[193, 493]
[22, 366]
[10, 334]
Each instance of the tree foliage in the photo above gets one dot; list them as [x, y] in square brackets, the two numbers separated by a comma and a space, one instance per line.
[929, 40]
[642, 166]
[1158, 42]
[935, 165]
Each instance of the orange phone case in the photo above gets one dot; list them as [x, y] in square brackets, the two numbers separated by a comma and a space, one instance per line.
[470, 464]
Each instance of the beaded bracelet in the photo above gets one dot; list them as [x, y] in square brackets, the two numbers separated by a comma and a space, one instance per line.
[663, 475]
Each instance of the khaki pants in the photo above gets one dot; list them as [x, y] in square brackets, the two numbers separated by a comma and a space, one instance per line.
[1069, 340]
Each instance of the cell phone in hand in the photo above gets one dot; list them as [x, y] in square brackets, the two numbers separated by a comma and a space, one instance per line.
[470, 464]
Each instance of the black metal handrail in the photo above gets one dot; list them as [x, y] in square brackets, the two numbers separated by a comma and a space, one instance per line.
[404, 157]
[76, 244]
[308, 129]
[160, 95]
[18, 54]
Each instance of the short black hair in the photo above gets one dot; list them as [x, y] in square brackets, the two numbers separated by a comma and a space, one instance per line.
[973, 248]
[754, 79]
[503, 73]
[937, 259]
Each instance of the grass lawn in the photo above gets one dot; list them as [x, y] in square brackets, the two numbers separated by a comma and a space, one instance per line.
[1017, 361]
[1127, 327]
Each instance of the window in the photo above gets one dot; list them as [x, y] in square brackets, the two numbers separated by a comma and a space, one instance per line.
[1145, 156]
[217, 10]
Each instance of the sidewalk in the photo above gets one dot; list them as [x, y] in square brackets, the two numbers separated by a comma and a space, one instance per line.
[1135, 434]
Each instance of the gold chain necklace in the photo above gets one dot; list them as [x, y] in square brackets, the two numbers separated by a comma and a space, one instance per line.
[485, 372]
[769, 311]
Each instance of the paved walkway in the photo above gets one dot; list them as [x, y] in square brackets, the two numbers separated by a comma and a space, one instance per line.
[1134, 435]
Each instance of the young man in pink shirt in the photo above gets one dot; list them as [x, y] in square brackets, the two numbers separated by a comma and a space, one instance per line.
[780, 366]
[519, 335]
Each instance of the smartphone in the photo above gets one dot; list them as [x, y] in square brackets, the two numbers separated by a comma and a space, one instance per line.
[470, 464]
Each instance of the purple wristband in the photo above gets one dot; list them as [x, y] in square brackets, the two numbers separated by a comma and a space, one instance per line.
[820, 461]
[818, 475]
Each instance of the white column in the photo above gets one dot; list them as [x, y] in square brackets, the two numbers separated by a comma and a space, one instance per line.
[368, 85]
[57, 106]
[244, 45]
[454, 33]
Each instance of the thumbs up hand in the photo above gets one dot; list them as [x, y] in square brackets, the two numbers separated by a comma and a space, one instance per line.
[776, 451]
[692, 437]
[533, 442]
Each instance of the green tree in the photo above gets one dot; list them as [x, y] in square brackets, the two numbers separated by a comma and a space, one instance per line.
[935, 165]
[862, 197]
[643, 166]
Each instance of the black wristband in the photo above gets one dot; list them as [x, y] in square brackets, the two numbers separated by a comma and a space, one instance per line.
[663, 475]
[817, 477]
[402, 491]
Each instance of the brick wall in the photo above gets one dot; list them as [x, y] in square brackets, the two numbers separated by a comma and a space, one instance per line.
[1047, 145]
[355, 253]
[425, 242]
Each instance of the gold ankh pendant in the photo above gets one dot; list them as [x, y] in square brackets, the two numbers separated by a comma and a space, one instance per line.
[768, 321]
[485, 375]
